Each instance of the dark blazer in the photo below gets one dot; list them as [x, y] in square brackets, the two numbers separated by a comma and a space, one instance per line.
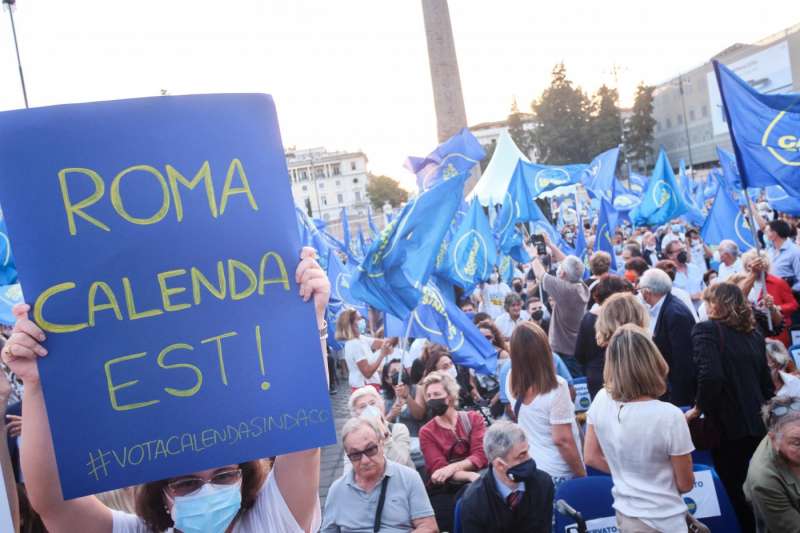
[591, 356]
[673, 336]
[733, 380]
[483, 510]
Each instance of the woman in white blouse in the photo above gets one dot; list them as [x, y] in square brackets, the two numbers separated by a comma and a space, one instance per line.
[237, 498]
[643, 442]
[543, 405]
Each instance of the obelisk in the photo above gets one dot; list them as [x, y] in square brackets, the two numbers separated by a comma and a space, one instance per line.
[448, 99]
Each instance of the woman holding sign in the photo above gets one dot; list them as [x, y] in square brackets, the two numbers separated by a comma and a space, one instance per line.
[236, 498]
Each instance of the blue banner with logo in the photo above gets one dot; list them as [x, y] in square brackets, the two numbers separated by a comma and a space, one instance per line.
[543, 178]
[598, 178]
[726, 220]
[157, 241]
[606, 224]
[764, 130]
[400, 261]
[662, 201]
[457, 155]
[471, 252]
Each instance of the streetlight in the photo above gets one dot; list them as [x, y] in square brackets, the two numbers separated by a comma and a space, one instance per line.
[686, 122]
[9, 4]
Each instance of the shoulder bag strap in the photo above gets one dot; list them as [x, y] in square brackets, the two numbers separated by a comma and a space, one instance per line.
[517, 407]
[381, 499]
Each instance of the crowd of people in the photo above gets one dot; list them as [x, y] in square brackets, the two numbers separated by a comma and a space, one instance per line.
[682, 347]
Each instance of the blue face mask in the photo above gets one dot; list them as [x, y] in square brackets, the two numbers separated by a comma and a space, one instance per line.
[362, 326]
[209, 510]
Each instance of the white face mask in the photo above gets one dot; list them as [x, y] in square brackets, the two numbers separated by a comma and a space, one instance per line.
[452, 372]
[494, 278]
[371, 411]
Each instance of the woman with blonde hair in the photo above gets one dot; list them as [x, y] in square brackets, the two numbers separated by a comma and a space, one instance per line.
[542, 405]
[733, 382]
[364, 355]
[367, 403]
[618, 310]
[642, 442]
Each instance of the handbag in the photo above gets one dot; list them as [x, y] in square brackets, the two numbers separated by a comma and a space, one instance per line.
[704, 431]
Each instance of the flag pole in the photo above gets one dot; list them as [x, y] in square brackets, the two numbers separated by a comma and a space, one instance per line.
[538, 281]
[758, 247]
[743, 174]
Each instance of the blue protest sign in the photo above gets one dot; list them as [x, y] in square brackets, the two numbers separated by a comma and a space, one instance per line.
[157, 242]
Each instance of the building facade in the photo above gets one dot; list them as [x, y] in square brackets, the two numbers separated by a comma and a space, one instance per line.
[324, 182]
[488, 133]
[690, 123]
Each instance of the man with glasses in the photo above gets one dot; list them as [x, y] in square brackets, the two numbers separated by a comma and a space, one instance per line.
[773, 478]
[376, 494]
[687, 276]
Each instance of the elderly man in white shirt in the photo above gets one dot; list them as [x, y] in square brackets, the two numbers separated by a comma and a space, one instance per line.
[729, 261]
[513, 315]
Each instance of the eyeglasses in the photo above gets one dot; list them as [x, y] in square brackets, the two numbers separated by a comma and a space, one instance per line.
[188, 485]
[781, 410]
[369, 451]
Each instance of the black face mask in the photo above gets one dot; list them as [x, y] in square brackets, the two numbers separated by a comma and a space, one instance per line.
[538, 314]
[682, 257]
[438, 406]
[523, 471]
[518, 287]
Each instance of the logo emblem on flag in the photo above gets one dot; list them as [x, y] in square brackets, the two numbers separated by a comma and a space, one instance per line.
[550, 177]
[786, 143]
[662, 193]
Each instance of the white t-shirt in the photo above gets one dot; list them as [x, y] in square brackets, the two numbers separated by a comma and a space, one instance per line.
[414, 352]
[638, 440]
[538, 417]
[726, 271]
[493, 297]
[356, 350]
[791, 385]
[269, 513]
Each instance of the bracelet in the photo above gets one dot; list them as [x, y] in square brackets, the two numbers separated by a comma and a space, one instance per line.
[323, 330]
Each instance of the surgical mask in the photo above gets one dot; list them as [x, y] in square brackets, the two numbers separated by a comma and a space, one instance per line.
[682, 257]
[452, 372]
[538, 314]
[362, 326]
[522, 472]
[438, 406]
[518, 287]
[569, 235]
[371, 411]
[209, 510]
[494, 278]
[676, 228]
[767, 215]
[650, 247]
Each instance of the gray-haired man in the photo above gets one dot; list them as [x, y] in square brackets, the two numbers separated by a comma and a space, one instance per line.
[512, 496]
[375, 490]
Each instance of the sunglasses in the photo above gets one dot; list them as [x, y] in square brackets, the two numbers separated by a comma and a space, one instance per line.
[189, 485]
[781, 410]
[369, 451]
[489, 338]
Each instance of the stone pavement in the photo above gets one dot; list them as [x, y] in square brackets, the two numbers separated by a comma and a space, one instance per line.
[333, 455]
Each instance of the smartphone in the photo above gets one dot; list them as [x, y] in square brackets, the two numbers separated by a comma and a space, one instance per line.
[538, 241]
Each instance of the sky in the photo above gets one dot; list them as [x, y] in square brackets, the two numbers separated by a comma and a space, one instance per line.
[353, 75]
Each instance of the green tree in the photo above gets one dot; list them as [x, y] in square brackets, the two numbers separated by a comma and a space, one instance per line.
[488, 157]
[604, 126]
[561, 135]
[382, 189]
[639, 129]
[521, 137]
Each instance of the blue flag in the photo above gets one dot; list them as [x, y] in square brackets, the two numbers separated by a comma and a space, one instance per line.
[606, 225]
[580, 240]
[729, 172]
[764, 132]
[638, 183]
[662, 201]
[693, 214]
[350, 245]
[712, 183]
[340, 277]
[10, 295]
[727, 221]
[543, 178]
[471, 253]
[440, 320]
[598, 178]
[505, 268]
[399, 262]
[310, 235]
[518, 206]
[780, 201]
[457, 155]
